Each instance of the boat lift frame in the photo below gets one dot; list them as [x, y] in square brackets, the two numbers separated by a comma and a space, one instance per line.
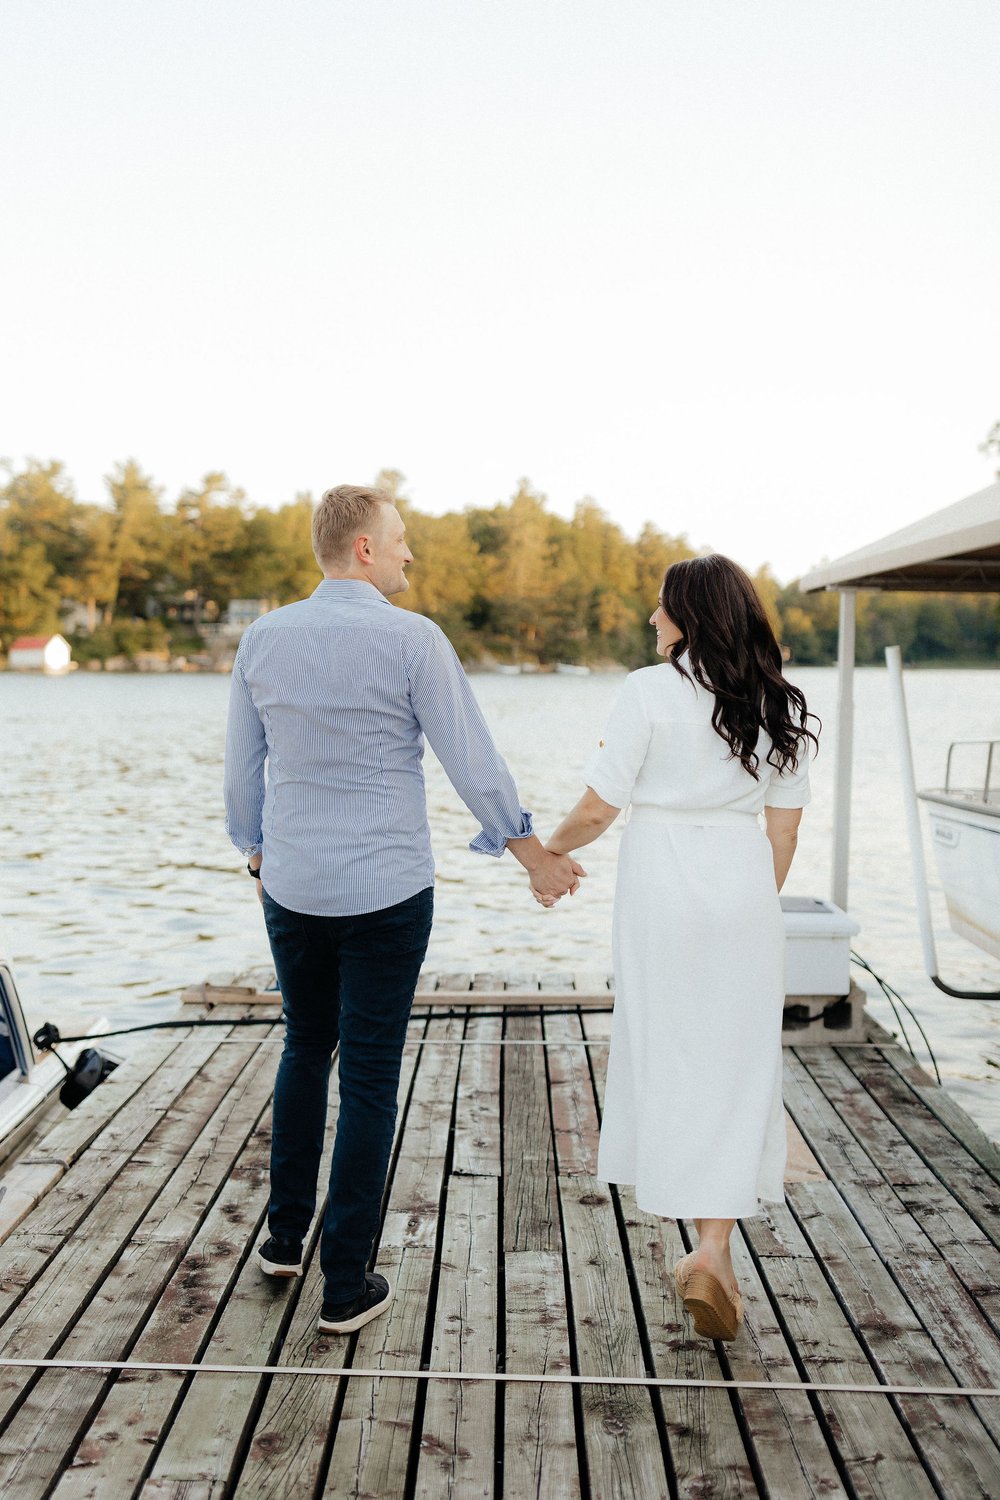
[954, 550]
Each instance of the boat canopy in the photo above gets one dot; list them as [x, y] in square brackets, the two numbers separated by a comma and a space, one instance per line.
[957, 548]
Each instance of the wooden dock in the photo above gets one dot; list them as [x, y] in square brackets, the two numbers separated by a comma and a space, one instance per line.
[128, 1237]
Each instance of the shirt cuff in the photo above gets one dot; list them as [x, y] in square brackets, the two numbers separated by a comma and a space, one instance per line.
[494, 842]
[256, 846]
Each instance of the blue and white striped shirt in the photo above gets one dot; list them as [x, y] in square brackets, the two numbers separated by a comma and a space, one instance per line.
[337, 692]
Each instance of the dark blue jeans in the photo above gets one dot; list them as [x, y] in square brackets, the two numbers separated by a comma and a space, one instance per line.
[346, 981]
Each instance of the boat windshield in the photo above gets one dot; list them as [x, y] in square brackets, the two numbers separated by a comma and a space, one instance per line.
[973, 771]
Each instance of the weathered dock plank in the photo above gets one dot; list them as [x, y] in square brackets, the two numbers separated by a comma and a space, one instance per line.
[476, 1146]
[575, 1124]
[540, 1453]
[415, 1192]
[624, 1453]
[531, 1206]
[476, 1143]
[458, 1426]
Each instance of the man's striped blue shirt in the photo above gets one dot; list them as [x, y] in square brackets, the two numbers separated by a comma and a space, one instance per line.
[337, 693]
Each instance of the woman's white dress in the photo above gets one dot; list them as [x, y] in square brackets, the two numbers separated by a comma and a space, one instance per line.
[693, 1114]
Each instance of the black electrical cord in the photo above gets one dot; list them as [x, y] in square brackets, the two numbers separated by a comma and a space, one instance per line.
[893, 996]
[49, 1034]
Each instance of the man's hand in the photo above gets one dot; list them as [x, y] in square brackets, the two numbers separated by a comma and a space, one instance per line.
[254, 863]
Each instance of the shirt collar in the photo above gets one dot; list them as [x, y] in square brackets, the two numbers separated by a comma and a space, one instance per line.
[355, 589]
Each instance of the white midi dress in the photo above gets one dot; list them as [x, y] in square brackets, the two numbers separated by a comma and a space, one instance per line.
[693, 1113]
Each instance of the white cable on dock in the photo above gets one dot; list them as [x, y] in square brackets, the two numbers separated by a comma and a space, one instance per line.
[346, 1372]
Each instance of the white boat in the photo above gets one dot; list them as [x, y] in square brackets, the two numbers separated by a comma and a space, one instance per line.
[34, 1081]
[508, 669]
[570, 669]
[964, 819]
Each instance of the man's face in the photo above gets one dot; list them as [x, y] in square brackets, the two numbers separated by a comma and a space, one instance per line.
[390, 554]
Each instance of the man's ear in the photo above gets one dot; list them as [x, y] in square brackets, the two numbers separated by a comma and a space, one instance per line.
[362, 549]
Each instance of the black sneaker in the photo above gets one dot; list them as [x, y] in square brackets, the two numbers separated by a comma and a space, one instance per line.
[349, 1316]
[280, 1257]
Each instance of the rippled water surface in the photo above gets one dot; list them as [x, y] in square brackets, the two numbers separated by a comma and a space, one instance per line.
[120, 886]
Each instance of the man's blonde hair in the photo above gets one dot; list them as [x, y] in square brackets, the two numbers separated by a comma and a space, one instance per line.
[345, 512]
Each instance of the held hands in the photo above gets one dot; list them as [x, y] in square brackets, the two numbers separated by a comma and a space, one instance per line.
[551, 875]
[555, 876]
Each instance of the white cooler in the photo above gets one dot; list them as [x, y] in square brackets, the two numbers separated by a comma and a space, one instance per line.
[817, 947]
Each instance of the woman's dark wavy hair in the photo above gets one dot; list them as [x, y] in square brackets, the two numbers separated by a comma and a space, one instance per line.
[733, 652]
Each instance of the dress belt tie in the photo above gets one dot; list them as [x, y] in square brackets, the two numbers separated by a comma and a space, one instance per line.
[704, 817]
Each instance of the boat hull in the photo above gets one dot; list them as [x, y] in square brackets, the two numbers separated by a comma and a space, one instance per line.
[966, 841]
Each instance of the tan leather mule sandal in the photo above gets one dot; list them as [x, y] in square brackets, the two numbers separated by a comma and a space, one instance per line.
[716, 1314]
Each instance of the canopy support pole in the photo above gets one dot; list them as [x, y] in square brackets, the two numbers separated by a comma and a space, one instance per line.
[894, 662]
[845, 747]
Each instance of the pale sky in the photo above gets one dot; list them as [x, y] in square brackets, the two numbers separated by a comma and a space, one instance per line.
[727, 265]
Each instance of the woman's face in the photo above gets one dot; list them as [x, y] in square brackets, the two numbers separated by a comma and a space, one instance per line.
[667, 633]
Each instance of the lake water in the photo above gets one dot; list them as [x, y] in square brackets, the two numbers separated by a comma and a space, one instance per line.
[119, 886]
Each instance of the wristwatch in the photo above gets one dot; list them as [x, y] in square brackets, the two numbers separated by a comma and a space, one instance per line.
[253, 872]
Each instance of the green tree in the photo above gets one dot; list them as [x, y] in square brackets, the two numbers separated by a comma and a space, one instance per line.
[209, 543]
[279, 558]
[446, 572]
[41, 509]
[138, 555]
[594, 601]
[29, 598]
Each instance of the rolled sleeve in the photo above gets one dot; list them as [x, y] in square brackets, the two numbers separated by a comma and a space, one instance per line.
[790, 788]
[243, 782]
[617, 761]
[453, 724]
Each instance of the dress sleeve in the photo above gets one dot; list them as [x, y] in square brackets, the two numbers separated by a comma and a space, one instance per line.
[617, 761]
[790, 788]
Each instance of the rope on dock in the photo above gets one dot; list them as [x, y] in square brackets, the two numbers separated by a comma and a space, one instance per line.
[346, 1372]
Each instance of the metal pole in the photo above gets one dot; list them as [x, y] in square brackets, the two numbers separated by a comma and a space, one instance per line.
[845, 748]
[894, 662]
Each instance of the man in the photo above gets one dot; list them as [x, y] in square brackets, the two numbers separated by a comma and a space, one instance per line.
[337, 693]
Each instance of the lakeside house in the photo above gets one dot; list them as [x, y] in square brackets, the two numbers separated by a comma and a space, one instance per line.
[40, 653]
[242, 612]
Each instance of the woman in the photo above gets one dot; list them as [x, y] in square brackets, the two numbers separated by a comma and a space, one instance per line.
[700, 746]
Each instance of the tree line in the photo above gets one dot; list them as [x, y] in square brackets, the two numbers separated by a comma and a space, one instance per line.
[510, 581]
